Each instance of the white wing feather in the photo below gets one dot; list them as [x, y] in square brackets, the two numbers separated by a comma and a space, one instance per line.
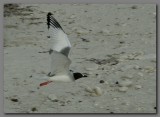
[60, 49]
[59, 39]
[59, 63]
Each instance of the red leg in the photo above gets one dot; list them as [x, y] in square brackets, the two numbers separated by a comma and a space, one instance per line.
[45, 83]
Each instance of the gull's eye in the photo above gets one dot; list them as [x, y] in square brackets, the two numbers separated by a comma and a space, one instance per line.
[84, 75]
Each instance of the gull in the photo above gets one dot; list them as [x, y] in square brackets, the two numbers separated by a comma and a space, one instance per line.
[59, 54]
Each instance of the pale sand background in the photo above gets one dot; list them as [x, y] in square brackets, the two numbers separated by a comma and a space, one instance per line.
[119, 45]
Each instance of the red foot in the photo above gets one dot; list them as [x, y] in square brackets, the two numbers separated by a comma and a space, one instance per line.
[45, 83]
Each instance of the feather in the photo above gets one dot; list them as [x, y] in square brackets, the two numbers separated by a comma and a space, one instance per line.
[60, 41]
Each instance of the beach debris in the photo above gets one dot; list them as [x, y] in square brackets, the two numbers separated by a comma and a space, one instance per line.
[31, 91]
[128, 18]
[90, 73]
[137, 67]
[101, 81]
[72, 16]
[35, 23]
[153, 61]
[132, 56]
[101, 107]
[43, 72]
[140, 74]
[125, 103]
[115, 99]
[126, 67]
[15, 9]
[96, 104]
[134, 7]
[98, 61]
[97, 74]
[149, 69]
[125, 83]
[34, 109]
[82, 31]
[105, 31]
[68, 101]
[111, 60]
[89, 89]
[53, 97]
[106, 83]
[15, 78]
[121, 42]
[71, 22]
[117, 24]
[148, 57]
[154, 14]
[62, 103]
[48, 36]
[79, 101]
[14, 100]
[138, 86]
[98, 91]
[140, 108]
[11, 26]
[127, 77]
[123, 89]
[85, 40]
[93, 94]
[117, 82]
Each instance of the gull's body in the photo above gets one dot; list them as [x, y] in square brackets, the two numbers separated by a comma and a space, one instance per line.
[60, 67]
[60, 47]
[59, 56]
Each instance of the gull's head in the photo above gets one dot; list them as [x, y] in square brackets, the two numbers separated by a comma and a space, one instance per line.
[78, 76]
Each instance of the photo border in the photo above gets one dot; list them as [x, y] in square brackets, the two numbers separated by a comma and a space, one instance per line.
[2, 114]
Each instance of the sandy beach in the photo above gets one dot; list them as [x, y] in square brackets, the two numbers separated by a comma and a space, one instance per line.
[114, 45]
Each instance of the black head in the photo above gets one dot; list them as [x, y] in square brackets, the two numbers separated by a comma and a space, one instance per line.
[78, 75]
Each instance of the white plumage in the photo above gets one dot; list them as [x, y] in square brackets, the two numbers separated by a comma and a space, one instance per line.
[60, 41]
[59, 52]
[60, 48]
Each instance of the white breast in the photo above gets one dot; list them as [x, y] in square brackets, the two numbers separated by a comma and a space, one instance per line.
[62, 78]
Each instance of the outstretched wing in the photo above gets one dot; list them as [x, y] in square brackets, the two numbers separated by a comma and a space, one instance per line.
[59, 64]
[60, 41]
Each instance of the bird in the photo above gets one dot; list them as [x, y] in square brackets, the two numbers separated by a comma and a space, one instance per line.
[59, 51]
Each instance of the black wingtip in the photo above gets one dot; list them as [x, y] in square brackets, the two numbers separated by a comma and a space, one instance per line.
[48, 19]
[52, 21]
[49, 14]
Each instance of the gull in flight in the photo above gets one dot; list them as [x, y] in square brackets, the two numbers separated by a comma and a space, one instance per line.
[59, 54]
